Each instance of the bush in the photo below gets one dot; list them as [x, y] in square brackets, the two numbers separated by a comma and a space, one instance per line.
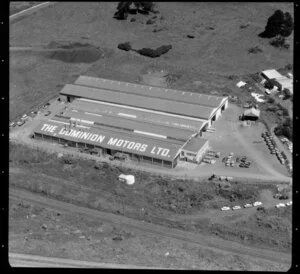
[279, 42]
[125, 46]
[288, 67]
[153, 53]
[269, 85]
[271, 100]
[150, 22]
[278, 24]
[287, 94]
[255, 50]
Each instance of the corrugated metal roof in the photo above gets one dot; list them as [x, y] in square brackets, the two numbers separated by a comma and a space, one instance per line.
[129, 124]
[120, 141]
[138, 101]
[195, 144]
[252, 112]
[149, 91]
[271, 73]
[143, 116]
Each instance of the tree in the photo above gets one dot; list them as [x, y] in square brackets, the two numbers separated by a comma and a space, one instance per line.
[278, 24]
[124, 8]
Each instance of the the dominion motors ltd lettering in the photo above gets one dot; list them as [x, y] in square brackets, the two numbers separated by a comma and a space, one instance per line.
[110, 141]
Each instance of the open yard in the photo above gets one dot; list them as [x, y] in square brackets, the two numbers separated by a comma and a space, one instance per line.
[217, 51]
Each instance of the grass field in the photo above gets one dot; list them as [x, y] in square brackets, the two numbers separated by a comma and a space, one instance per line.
[17, 6]
[165, 202]
[218, 50]
[37, 230]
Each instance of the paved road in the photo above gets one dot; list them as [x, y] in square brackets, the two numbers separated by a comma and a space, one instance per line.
[214, 243]
[25, 260]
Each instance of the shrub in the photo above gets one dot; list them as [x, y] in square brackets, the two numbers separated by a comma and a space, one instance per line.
[150, 22]
[154, 52]
[279, 42]
[125, 46]
[288, 67]
[269, 85]
[278, 24]
[255, 50]
[132, 20]
[287, 94]
[244, 26]
[271, 100]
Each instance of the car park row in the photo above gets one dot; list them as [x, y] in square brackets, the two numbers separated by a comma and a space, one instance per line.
[272, 147]
[288, 143]
[32, 114]
[226, 208]
[240, 161]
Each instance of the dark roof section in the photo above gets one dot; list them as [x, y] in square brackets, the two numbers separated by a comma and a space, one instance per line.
[149, 91]
[195, 144]
[98, 108]
[148, 147]
[133, 100]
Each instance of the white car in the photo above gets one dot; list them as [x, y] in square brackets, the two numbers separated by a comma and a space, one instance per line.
[289, 203]
[236, 207]
[24, 116]
[248, 205]
[257, 203]
[280, 205]
[224, 208]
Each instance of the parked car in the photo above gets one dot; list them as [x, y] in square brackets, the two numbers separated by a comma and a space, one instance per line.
[289, 203]
[225, 208]
[12, 124]
[48, 113]
[248, 205]
[236, 207]
[20, 123]
[280, 205]
[257, 203]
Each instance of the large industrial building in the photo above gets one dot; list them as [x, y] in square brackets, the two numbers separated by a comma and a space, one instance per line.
[154, 125]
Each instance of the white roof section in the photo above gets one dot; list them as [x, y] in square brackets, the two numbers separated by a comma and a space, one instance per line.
[241, 84]
[252, 112]
[272, 74]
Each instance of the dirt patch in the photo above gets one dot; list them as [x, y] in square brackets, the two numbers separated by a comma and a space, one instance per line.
[73, 52]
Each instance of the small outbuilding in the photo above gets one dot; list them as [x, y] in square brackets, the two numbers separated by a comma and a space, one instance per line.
[251, 114]
[194, 150]
[271, 74]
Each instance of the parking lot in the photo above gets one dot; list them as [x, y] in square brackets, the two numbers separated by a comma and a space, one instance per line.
[235, 141]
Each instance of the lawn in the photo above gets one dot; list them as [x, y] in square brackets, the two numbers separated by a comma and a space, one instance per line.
[219, 49]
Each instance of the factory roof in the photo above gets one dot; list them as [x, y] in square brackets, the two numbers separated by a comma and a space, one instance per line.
[195, 144]
[138, 101]
[150, 91]
[138, 127]
[98, 108]
[111, 139]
